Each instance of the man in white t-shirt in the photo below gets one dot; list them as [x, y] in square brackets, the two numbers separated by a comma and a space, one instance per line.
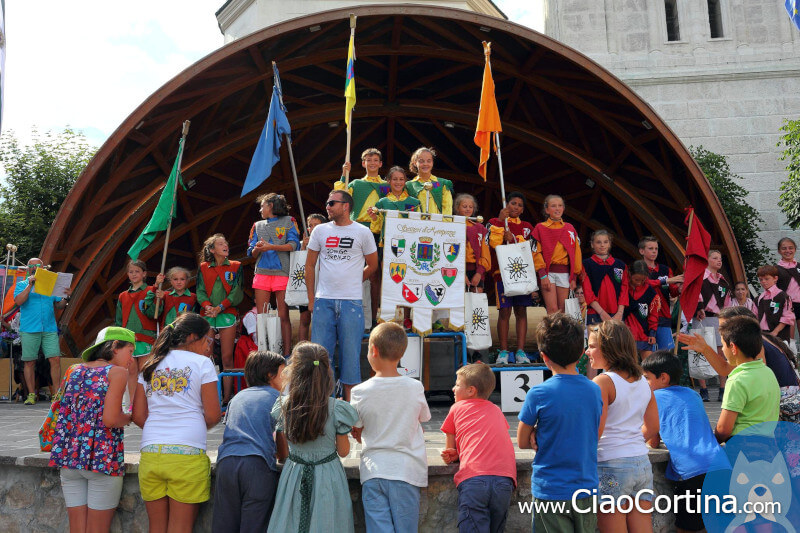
[342, 247]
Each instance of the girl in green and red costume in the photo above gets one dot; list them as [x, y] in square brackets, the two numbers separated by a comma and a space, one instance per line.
[132, 311]
[395, 199]
[174, 302]
[435, 195]
[219, 291]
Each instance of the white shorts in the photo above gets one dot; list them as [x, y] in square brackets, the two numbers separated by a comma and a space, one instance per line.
[99, 492]
[559, 279]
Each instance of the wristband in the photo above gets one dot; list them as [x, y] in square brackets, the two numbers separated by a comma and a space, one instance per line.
[543, 277]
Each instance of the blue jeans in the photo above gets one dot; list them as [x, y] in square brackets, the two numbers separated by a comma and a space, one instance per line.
[340, 321]
[483, 503]
[664, 338]
[390, 505]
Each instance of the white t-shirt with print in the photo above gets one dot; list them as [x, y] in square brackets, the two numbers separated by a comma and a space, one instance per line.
[174, 403]
[341, 259]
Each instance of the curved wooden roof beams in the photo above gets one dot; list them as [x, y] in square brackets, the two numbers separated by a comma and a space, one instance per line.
[570, 127]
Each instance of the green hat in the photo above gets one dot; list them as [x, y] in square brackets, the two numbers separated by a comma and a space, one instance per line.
[111, 333]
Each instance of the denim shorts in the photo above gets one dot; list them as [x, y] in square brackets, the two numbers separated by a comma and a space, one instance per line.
[390, 505]
[483, 503]
[644, 346]
[342, 322]
[626, 476]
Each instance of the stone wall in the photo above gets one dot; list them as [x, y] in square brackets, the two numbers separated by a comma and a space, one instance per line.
[728, 94]
[31, 499]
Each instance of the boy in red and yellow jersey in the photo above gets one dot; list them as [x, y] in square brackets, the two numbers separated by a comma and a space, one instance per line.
[518, 231]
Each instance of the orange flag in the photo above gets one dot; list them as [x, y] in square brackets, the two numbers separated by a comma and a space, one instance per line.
[488, 115]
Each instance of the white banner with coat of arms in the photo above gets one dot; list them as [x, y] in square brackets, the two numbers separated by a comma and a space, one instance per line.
[423, 268]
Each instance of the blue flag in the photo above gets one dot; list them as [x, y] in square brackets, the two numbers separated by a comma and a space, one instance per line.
[269, 144]
[792, 8]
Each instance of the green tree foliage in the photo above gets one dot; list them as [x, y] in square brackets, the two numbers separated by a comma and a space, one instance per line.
[790, 189]
[745, 220]
[38, 177]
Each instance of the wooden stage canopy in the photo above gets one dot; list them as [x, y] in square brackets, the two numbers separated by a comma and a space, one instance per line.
[569, 127]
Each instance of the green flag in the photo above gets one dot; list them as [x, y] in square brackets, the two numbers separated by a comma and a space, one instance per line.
[161, 216]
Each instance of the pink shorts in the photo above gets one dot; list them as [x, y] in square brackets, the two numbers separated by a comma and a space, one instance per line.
[265, 282]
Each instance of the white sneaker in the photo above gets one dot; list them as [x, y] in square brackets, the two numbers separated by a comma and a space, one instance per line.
[522, 357]
[502, 357]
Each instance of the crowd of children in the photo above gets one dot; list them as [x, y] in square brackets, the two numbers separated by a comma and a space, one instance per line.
[622, 341]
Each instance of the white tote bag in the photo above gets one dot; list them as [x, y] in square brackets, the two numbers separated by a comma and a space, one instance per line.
[515, 262]
[572, 307]
[296, 289]
[699, 367]
[476, 324]
[268, 326]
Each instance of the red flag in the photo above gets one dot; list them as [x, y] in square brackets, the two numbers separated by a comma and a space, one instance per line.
[698, 243]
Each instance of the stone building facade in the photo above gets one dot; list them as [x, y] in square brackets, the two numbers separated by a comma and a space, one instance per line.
[723, 74]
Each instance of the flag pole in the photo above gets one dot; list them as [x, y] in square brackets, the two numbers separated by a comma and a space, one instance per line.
[9, 248]
[291, 153]
[350, 113]
[487, 51]
[184, 133]
[680, 311]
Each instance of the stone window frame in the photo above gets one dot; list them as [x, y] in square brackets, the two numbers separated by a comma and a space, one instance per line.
[727, 27]
[677, 17]
[683, 16]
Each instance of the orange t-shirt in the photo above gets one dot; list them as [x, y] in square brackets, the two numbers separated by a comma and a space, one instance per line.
[482, 440]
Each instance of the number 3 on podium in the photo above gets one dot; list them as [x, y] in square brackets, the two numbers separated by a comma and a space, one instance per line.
[514, 386]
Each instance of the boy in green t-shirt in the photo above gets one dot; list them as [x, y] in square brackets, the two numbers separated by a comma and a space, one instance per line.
[752, 394]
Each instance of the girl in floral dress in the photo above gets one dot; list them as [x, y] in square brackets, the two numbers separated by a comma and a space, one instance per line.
[87, 443]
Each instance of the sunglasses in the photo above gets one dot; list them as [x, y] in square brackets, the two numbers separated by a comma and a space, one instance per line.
[331, 203]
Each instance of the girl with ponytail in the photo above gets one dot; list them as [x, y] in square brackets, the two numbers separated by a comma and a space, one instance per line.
[176, 402]
[311, 428]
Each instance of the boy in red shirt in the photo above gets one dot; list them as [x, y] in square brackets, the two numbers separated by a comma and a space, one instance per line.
[666, 284]
[774, 305]
[477, 437]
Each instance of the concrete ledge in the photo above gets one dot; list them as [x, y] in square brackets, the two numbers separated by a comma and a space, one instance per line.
[31, 498]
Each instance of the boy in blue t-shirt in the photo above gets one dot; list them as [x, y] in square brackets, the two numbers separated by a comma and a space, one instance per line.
[561, 420]
[686, 431]
[247, 476]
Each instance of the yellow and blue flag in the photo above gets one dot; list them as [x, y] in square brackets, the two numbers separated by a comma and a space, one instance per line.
[792, 9]
[350, 82]
[268, 149]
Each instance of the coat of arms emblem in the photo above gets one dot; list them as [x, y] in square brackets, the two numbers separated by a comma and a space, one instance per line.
[397, 271]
